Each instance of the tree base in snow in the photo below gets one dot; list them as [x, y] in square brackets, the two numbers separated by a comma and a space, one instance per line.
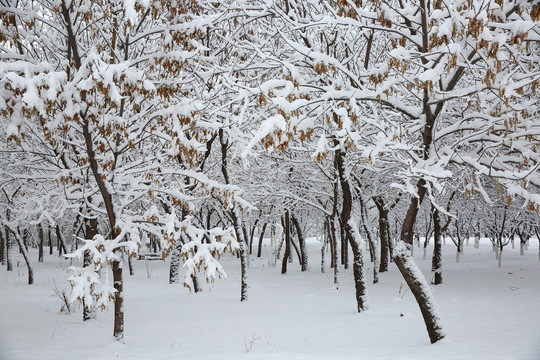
[420, 289]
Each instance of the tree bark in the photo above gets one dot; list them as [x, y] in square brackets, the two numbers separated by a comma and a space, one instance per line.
[384, 234]
[61, 242]
[90, 230]
[49, 240]
[118, 300]
[334, 250]
[420, 289]
[174, 267]
[2, 248]
[24, 253]
[371, 241]
[351, 230]
[41, 241]
[287, 242]
[436, 265]
[414, 278]
[261, 237]
[301, 243]
[9, 264]
[236, 222]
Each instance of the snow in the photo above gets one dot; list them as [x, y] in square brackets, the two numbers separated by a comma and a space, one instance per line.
[488, 313]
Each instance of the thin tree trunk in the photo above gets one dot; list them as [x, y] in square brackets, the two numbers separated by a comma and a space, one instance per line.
[383, 234]
[61, 242]
[287, 243]
[118, 300]
[41, 241]
[358, 266]
[2, 248]
[90, 230]
[323, 249]
[89, 312]
[174, 267]
[9, 264]
[261, 237]
[301, 243]
[334, 253]
[236, 223]
[332, 244]
[24, 253]
[297, 250]
[252, 235]
[371, 241]
[50, 244]
[436, 264]
[243, 268]
[351, 230]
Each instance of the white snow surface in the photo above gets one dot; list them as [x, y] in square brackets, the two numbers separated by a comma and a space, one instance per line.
[488, 312]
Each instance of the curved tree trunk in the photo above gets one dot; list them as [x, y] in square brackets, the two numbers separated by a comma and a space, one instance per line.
[436, 265]
[236, 222]
[420, 289]
[24, 253]
[261, 237]
[351, 230]
[410, 272]
[301, 243]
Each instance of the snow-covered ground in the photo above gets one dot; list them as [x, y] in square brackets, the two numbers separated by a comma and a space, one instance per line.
[488, 313]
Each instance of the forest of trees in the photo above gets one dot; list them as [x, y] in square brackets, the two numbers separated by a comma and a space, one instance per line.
[188, 129]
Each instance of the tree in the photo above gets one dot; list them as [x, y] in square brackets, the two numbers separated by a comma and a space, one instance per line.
[105, 94]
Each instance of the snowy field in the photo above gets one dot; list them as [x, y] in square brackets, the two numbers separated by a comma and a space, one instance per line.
[488, 313]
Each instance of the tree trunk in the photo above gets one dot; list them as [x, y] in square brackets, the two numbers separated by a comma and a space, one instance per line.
[334, 253]
[2, 248]
[50, 244]
[61, 242]
[174, 267]
[24, 253]
[332, 244]
[373, 245]
[410, 272]
[89, 312]
[90, 230]
[244, 257]
[287, 243]
[301, 243]
[420, 289]
[118, 300]
[41, 241]
[371, 241]
[383, 234]
[9, 264]
[358, 267]
[252, 235]
[261, 237]
[323, 249]
[351, 230]
[243, 266]
[436, 264]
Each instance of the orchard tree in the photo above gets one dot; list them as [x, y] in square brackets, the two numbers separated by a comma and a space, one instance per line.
[107, 92]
